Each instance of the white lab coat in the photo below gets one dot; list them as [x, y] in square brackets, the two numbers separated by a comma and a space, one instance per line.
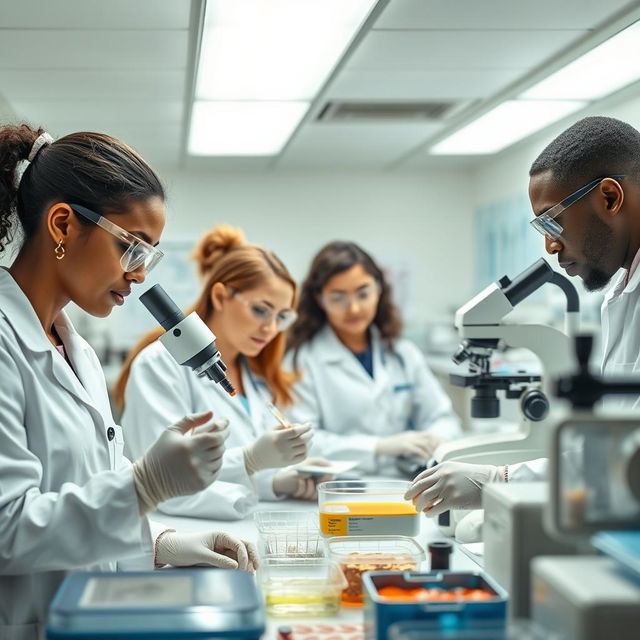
[621, 328]
[351, 410]
[159, 392]
[67, 495]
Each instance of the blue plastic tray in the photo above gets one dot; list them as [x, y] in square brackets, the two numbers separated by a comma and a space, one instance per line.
[380, 614]
[178, 604]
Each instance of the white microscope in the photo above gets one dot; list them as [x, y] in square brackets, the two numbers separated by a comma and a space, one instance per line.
[481, 325]
[594, 496]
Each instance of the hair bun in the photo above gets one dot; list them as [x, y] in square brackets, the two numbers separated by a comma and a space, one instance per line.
[216, 243]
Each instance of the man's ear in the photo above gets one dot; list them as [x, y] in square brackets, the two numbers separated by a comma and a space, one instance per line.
[613, 195]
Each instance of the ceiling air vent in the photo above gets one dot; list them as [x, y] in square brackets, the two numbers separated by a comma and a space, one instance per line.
[396, 111]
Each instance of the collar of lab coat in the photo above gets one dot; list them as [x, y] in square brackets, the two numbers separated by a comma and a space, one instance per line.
[619, 288]
[332, 351]
[22, 317]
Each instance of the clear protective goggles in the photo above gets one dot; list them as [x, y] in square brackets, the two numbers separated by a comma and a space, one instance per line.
[365, 296]
[264, 314]
[137, 252]
[546, 222]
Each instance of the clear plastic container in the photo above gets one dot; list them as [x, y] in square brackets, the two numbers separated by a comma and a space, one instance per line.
[301, 587]
[289, 533]
[359, 554]
[362, 507]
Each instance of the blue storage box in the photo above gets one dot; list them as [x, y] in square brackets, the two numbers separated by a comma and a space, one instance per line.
[169, 604]
[379, 613]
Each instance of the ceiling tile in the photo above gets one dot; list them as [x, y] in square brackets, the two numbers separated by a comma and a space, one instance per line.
[92, 14]
[367, 145]
[440, 50]
[497, 14]
[112, 112]
[356, 84]
[33, 49]
[26, 85]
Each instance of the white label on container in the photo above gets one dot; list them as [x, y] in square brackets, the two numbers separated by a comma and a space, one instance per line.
[383, 525]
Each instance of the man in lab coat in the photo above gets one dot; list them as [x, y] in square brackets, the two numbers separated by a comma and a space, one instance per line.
[585, 193]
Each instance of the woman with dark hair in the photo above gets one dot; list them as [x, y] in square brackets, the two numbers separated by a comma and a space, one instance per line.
[90, 211]
[369, 392]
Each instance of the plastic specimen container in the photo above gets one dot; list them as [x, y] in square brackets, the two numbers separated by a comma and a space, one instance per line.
[301, 587]
[362, 507]
[289, 533]
[358, 554]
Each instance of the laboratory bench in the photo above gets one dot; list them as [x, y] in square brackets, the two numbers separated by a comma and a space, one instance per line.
[348, 624]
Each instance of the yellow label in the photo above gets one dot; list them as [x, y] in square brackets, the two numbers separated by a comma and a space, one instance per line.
[344, 518]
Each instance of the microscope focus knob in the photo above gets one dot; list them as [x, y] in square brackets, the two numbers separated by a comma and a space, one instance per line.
[535, 405]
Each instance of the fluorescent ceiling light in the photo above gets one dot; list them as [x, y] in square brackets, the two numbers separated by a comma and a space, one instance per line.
[505, 124]
[272, 50]
[243, 128]
[608, 67]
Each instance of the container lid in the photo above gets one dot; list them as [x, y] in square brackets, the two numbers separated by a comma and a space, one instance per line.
[377, 487]
[300, 573]
[198, 602]
[369, 546]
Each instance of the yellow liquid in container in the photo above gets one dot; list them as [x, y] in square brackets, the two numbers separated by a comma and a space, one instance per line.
[306, 597]
[368, 518]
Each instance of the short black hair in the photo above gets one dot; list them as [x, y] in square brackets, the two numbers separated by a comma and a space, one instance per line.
[591, 148]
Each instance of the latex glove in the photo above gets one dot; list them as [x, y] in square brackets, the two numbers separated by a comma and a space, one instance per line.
[409, 443]
[178, 463]
[278, 447]
[210, 548]
[452, 485]
[300, 486]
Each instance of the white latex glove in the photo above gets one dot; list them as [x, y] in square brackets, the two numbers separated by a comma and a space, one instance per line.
[293, 484]
[452, 485]
[210, 548]
[409, 443]
[178, 463]
[278, 447]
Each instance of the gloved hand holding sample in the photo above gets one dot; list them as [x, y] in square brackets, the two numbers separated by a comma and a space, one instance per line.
[210, 548]
[409, 443]
[178, 463]
[298, 484]
[279, 447]
[452, 485]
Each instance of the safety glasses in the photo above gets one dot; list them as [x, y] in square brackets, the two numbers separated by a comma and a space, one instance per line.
[263, 314]
[546, 222]
[367, 296]
[137, 252]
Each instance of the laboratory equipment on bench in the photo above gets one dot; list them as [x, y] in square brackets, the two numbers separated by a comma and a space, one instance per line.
[595, 496]
[481, 326]
[514, 534]
[178, 603]
[366, 507]
[187, 338]
[450, 600]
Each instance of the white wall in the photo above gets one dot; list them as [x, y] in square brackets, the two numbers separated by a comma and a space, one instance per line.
[420, 220]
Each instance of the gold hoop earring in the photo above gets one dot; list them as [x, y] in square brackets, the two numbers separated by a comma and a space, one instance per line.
[59, 251]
